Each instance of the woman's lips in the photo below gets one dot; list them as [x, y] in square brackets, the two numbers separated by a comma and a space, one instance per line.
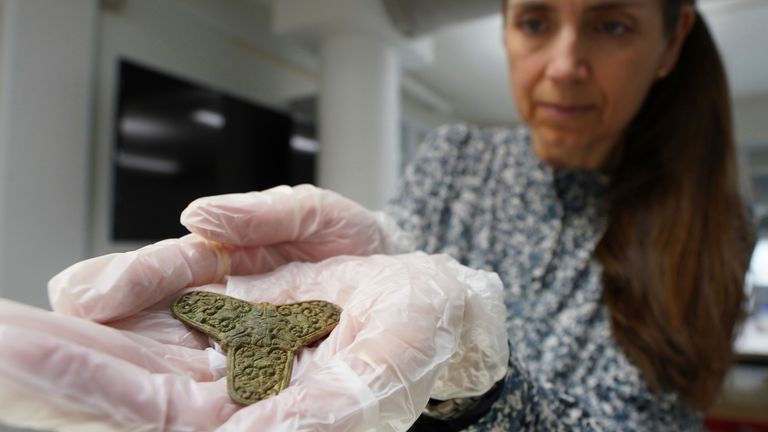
[566, 111]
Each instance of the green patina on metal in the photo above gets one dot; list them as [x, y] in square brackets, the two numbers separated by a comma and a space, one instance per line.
[260, 339]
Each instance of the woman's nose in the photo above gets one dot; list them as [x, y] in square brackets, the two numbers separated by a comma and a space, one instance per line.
[568, 62]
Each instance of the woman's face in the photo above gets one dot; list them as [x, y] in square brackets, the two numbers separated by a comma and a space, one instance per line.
[580, 70]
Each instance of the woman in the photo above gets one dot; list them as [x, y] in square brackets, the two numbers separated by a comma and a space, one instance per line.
[613, 219]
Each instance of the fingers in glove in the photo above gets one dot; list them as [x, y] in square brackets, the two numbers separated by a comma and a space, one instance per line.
[70, 388]
[304, 213]
[23, 325]
[158, 323]
[52, 377]
[116, 286]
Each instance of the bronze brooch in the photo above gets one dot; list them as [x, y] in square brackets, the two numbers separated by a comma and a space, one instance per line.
[261, 339]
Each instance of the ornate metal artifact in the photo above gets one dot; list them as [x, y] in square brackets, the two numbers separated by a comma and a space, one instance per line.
[260, 339]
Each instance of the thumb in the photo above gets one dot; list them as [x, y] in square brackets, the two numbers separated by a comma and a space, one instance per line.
[278, 215]
[118, 285]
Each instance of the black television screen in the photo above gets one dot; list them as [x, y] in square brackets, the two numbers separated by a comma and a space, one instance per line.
[176, 141]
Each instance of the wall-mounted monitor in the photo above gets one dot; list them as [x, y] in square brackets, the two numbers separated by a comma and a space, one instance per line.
[176, 141]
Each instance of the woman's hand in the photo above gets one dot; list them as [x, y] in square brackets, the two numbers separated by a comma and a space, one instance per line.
[410, 322]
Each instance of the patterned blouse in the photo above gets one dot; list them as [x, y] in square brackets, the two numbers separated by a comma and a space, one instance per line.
[482, 196]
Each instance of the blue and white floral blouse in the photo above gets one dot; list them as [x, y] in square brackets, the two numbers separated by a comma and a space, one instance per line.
[482, 196]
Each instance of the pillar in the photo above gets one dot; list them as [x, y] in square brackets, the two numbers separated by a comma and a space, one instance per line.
[359, 118]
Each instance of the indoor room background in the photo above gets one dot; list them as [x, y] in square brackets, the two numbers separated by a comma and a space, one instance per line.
[115, 113]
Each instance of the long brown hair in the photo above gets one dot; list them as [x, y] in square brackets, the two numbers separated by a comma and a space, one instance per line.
[679, 240]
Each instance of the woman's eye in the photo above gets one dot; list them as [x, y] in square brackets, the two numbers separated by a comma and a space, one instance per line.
[613, 28]
[532, 25]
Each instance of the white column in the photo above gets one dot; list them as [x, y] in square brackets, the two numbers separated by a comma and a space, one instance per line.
[45, 135]
[359, 118]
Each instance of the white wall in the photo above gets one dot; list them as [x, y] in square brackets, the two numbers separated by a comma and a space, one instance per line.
[751, 119]
[44, 141]
[1, 44]
[751, 129]
[418, 120]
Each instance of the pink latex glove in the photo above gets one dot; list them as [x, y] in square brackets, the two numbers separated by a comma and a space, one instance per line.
[262, 230]
[285, 224]
[256, 232]
[407, 320]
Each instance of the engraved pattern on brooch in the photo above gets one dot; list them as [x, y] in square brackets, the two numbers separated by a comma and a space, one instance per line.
[261, 339]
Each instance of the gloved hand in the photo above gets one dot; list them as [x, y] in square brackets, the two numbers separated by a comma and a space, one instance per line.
[256, 232]
[262, 230]
[407, 319]
[285, 224]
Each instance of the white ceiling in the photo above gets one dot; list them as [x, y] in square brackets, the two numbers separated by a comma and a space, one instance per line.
[470, 69]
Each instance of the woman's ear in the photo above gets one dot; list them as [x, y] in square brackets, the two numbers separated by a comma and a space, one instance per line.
[684, 25]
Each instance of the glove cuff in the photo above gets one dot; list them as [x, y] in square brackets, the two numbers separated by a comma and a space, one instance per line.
[456, 414]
